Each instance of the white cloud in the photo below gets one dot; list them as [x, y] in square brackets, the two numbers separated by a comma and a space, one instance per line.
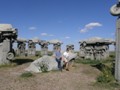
[32, 28]
[67, 37]
[90, 26]
[44, 34]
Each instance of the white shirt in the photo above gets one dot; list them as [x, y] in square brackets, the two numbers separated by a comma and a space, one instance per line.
[66, 54]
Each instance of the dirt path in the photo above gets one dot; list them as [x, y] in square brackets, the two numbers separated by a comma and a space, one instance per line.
[80, 77]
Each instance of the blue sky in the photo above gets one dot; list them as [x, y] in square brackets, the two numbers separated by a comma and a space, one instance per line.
[67, 20]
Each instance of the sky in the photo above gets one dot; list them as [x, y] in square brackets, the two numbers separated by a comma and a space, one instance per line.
[67, 20]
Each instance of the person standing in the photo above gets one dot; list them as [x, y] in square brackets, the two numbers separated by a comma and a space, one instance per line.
[58, 58]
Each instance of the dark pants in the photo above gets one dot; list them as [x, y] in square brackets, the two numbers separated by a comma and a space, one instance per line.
[59, 63]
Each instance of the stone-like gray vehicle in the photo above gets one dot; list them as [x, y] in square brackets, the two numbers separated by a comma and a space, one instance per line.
[8, 35]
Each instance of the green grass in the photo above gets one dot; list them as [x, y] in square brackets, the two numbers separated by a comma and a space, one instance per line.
[8, 65]
[107, 86]
[106, 78]
[26, 75]
[87, 61]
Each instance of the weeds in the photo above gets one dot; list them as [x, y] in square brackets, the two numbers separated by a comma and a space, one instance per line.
[26, 75]
[87, 61]
[106, 78]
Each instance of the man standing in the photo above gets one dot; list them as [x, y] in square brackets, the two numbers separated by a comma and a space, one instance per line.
[58, 57]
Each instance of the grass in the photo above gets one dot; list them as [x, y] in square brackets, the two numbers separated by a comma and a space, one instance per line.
[107, 86]
[26, 75]
[87, 61]
[105, 66]
[8, 65]
[106, 78]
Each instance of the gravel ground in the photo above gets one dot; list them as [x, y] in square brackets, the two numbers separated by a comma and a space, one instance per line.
[80, 77]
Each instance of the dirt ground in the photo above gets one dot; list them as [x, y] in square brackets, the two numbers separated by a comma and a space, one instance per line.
[80, 77]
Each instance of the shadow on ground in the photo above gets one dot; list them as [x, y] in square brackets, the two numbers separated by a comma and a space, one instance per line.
[22, 61]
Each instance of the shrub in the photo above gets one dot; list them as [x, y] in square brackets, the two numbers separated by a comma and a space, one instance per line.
[105, 78]
[106, 75]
